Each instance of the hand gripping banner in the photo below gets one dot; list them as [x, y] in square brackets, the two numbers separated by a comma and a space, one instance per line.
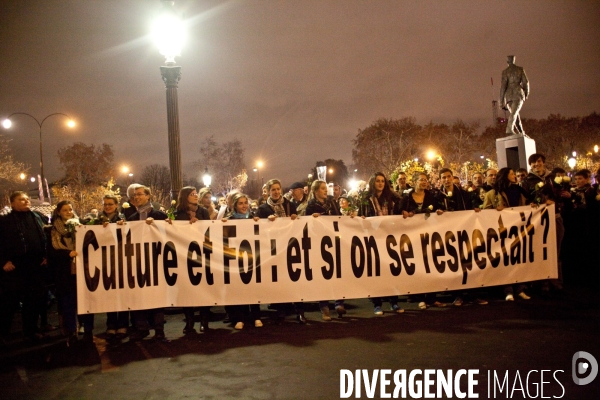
[140, 266]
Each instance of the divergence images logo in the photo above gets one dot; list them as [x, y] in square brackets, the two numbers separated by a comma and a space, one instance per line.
[584, 364]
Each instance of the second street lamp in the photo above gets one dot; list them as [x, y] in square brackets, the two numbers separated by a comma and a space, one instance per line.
[168, 33]
[7, 123]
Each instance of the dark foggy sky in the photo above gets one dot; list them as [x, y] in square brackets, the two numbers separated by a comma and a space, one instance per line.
[293, 80]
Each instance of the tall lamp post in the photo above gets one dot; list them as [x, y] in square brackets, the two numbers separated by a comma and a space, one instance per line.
[7, 123]
[168, 33]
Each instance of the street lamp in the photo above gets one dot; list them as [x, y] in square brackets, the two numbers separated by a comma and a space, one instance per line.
[572, 162]
[7, 123]
[206, 179]
[169, 36]
[259, 165]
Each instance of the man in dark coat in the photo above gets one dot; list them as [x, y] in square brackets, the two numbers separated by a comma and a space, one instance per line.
[22, 265]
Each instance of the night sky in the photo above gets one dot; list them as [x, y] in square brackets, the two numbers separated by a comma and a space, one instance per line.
[293, 80]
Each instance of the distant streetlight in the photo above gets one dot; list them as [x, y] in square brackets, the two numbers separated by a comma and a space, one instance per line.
[572, 162]
[259, 165]
[169, 35]
[7, 123]
[595, 148]
[125, 170]
[430, 155]
[22, 176]
[574, 154]
[206, 178]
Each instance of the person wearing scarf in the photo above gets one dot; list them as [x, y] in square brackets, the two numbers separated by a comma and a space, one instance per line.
[278, 206]
[142, 318]
[319, 203]
[239, 313]
[189, 209]
[61, 255]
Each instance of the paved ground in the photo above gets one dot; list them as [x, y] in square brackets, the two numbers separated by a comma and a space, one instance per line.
[291, 361]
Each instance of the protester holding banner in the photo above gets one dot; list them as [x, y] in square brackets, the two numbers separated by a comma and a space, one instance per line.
[239, 313]
[278, 206]
[61, 255]
[145, 212]
[506, 193]
[541, 190]
[206, 202]
[421, 201]
[452, 197]
[189, 209]
[319, 203]
[117, 322]
[381, 200]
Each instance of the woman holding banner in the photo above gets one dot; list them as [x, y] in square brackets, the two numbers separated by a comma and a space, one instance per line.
[239, 313]
[421, 200]
[319, 203]
[188, 209]
[278, 206]
[381, 200]
[117, 322]
[506, 193]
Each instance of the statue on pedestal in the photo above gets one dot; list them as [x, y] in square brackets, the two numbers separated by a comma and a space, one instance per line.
[514, 90]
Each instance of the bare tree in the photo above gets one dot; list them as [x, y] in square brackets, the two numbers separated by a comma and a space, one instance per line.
[158, 179]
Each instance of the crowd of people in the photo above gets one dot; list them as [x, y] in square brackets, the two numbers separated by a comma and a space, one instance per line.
[36, 255]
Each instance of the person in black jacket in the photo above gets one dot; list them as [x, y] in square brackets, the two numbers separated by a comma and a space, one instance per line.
[319, 203]
[22, 264]
[145, 212]
[189, 209]
[421, 200]
[381, 200]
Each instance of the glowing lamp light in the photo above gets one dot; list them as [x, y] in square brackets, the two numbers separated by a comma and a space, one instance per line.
[572, 162]
[168, 33]
[430, 155]
[353, 184]
[7, 123]
[71, 123]
[595, 148]
[32, 179]
[22, 175]
[574, 154]
[206, 179]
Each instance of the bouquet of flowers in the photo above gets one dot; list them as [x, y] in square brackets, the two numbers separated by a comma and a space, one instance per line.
[562, 183]
[72, 224]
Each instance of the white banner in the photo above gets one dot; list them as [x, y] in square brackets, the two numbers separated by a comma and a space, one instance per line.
[141, 266]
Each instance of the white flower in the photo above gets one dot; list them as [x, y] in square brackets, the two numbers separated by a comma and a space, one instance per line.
[566, 179]
[573, 189]
[126, 205]
[173, 202]
[539, 185]
[470, 189]
[558, 180]
[430, 208]
[449, 194]
[407, 191]
[73, 221]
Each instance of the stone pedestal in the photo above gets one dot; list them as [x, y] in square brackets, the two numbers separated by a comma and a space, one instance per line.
[514, 150]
